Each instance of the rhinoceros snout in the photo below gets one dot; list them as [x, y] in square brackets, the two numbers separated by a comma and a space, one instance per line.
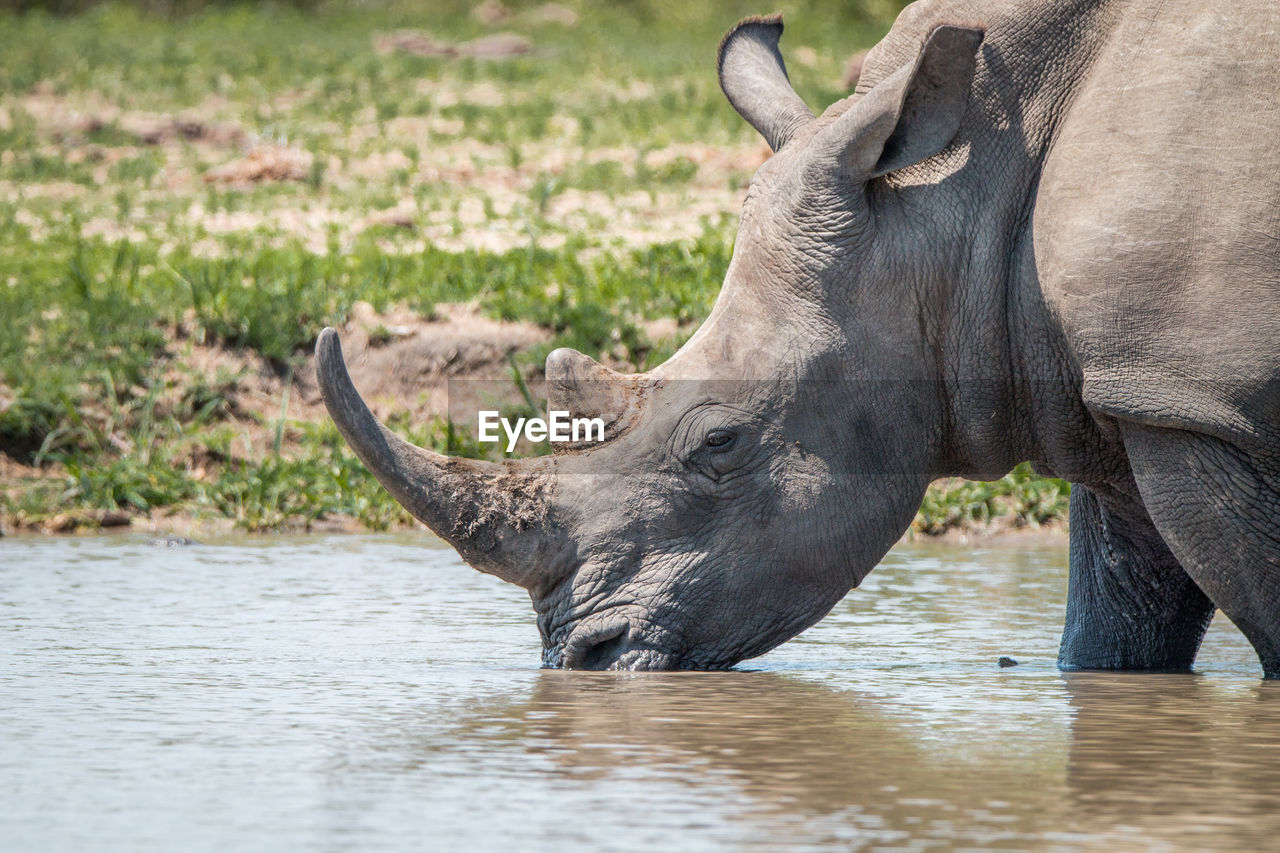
[616, 644]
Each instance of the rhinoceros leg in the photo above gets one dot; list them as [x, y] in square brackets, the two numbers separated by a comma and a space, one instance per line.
[1129, 604]
[1218, 508]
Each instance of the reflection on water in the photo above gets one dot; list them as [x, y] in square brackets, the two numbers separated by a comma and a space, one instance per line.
[371, 693]
[1180, 754]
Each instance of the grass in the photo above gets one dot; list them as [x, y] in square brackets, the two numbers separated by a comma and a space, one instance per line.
[91, 377]
[1019, 499]
[588, 187]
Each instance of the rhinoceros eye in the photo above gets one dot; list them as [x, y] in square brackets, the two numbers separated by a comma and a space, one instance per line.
[720, 439]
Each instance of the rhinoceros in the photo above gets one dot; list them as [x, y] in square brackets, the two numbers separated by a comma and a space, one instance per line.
[1043, 231]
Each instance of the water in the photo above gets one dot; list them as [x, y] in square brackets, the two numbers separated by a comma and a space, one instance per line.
[372, 694]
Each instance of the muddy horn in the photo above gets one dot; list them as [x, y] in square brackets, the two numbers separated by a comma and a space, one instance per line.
[494, 514]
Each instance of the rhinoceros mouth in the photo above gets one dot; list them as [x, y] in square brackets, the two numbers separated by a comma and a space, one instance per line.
[610, 642]
[611, 649]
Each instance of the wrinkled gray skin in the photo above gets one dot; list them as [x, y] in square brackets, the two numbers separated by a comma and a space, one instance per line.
[1044, 232]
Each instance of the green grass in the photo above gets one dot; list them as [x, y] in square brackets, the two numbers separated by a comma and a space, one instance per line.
[1019, 499]
[98, 313]
[89, 376]
[116, 252]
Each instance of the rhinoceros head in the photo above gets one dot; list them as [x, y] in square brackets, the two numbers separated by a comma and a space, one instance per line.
[744, 486]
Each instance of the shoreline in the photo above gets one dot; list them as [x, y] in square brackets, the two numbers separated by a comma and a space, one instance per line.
[187, 525]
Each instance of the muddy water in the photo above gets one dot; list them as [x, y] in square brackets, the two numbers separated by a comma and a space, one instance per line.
[372, 694]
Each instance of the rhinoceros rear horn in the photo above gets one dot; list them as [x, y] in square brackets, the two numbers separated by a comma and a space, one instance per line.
[581, 386]
[911, 114]
[754, 78]
[494, 514]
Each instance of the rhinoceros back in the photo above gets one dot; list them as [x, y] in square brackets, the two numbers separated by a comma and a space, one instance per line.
[1157, 221]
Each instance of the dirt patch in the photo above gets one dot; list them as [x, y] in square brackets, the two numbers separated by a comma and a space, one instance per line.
[157, 130]
[13, 191]
[1004, 530]
[265, 162]
[85, 519]
[448, 365]
[494, 12]
[419, 43]
[12, 471]
[403, 215]
[552, 13]
[76, 122]
[491, 12]
[180, 523]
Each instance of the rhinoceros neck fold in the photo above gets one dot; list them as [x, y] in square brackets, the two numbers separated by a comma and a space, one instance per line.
[974, 206]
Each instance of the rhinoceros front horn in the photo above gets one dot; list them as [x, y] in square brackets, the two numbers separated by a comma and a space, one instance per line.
[494, 514]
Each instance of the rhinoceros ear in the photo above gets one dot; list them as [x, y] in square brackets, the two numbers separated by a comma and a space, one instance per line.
[911, 114]
[755, 80]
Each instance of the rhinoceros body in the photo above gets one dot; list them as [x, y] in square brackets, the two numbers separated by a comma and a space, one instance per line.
[1046, 231]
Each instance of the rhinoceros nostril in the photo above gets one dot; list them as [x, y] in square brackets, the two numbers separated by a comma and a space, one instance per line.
[605, 652]
[598, 649]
